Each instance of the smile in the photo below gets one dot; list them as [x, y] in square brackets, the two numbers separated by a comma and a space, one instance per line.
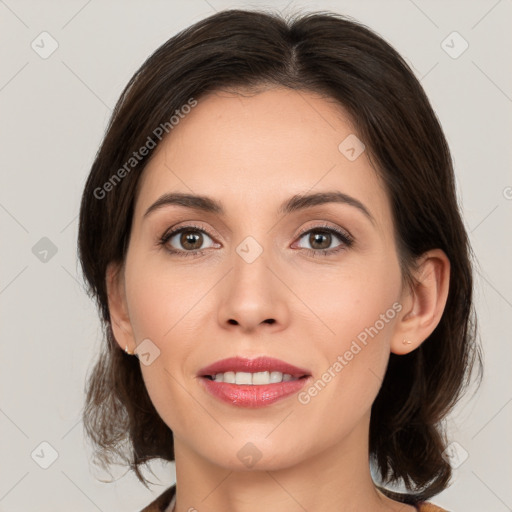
[252, 382]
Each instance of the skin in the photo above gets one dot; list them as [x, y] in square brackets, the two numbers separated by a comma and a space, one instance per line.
[252, 152]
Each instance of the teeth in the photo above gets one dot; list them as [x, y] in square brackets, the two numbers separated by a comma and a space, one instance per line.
[243, 378]
[261, 378]
[276, 377]
[229, 377]
[253, 379]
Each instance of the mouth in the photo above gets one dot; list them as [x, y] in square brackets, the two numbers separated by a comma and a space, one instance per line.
[253, 379]
[259, 371]
[252, 383]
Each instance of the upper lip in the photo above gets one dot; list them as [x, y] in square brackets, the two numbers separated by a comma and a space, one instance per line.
[260, 364]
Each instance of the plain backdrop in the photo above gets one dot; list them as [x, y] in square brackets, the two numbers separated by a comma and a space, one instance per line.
[54, 110]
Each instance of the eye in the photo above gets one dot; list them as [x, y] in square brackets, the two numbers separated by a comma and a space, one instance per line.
[320, 239]
[190, 238]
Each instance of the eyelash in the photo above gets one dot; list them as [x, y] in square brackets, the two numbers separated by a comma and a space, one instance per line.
[346, 239]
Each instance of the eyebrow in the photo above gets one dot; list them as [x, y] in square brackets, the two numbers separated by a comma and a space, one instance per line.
[293, 204]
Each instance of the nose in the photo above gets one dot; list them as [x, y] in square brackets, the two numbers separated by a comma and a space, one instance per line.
[252, 295]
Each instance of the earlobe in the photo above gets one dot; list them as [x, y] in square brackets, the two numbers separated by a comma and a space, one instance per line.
[425, 301]
[119, 318]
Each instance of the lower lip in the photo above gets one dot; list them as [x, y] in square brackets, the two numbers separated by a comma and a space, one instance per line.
[253, 396]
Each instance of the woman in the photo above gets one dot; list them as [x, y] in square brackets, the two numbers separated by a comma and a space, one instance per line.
[271, 226]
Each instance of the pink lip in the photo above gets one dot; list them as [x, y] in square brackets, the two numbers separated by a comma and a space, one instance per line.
[243, 395]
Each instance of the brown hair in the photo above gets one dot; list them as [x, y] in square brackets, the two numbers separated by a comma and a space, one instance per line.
[326, 53]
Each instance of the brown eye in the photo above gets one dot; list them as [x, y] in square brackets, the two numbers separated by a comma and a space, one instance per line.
[319, 240]
[186, 240]
[191, 240]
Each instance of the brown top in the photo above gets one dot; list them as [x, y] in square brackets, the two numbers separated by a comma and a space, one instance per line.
[163, 501]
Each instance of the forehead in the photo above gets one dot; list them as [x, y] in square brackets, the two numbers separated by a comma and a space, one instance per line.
[258, 149]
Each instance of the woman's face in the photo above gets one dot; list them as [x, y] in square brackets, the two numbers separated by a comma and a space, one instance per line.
[270, 282]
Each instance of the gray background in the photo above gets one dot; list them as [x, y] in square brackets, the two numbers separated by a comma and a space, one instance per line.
[53, 115]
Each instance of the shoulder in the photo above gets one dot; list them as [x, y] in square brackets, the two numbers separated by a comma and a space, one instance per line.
[162, 502]
[429, 507]
[411, 499]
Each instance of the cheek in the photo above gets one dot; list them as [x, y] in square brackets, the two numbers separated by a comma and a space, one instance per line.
[159, 298]
[165, 307]
[348, 302]
[360, 310]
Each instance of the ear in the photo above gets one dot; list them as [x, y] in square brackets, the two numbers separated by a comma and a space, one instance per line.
[117, 305]
[423, 303]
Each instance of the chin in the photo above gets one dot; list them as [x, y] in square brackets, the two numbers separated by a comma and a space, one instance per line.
[256, 454]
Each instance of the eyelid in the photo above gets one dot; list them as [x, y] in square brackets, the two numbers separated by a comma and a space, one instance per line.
[186, 225]
[341, 231]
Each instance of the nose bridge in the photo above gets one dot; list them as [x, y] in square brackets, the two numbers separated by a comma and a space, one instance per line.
[251, 277]
[252, 293]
